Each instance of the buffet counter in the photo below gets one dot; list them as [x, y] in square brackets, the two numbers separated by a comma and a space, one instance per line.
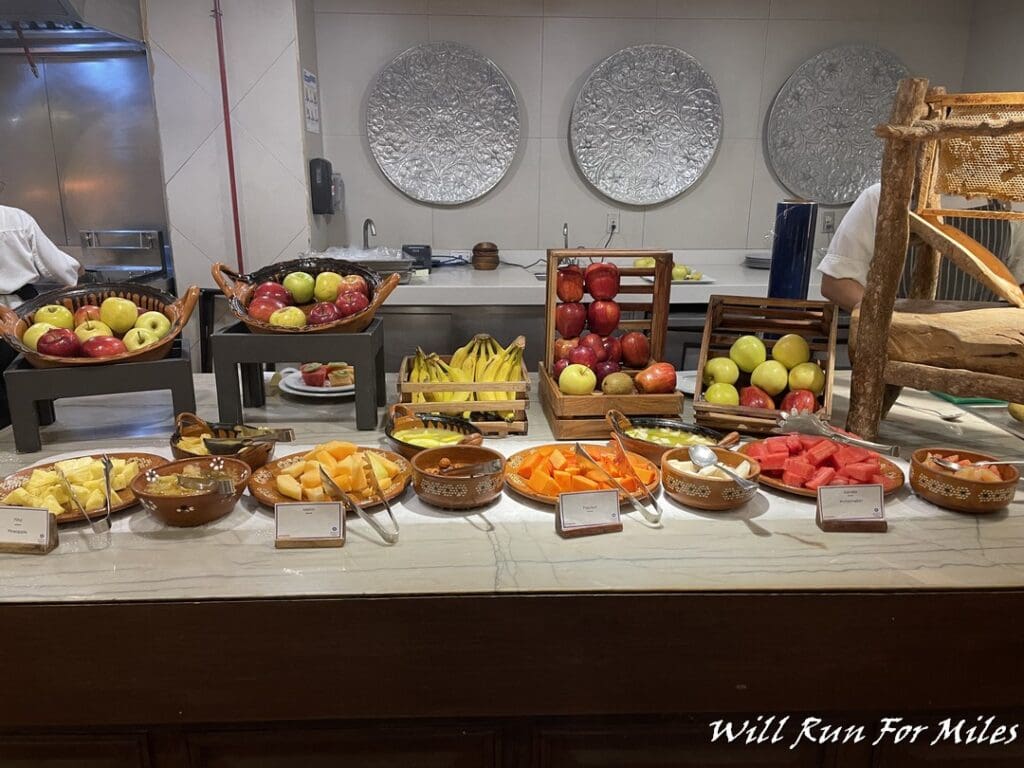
[485, 639]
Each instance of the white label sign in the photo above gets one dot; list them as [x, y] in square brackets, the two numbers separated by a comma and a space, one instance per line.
[851, 507]
[589, 510]
[310, 524]
[25, 527]
[311, 101]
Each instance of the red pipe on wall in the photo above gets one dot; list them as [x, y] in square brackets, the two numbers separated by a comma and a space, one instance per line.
[227, 133]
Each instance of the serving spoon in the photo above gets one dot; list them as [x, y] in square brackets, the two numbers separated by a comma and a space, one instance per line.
[954, 466]
[702, 457]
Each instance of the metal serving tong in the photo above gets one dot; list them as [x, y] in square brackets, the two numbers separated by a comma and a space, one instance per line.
[654, 518]
[332, 488]
[811, 424]
[247, 436]
[219, 482]
[97, 525]
[473, 470]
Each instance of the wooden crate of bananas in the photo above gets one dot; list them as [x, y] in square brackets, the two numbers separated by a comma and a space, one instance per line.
[482, 381]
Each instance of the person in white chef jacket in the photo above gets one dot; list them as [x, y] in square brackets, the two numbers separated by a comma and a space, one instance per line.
[845, 266]
[27, 256]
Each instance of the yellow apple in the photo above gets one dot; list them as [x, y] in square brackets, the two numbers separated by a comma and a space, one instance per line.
[288, 317]
[791, 350]
[35, 332]
[771, 376]
[137, 338]
[807, 376]
[58, 316]
[748, 352]
[119, 314]
[154, 321]
[91, 328]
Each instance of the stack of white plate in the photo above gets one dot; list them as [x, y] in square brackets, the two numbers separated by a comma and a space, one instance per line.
[758, 260]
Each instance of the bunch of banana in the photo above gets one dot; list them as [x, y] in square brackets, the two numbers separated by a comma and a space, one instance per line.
[505, 365]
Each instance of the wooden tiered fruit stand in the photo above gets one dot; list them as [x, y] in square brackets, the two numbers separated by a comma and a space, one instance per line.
[730, 317]
[583, 416]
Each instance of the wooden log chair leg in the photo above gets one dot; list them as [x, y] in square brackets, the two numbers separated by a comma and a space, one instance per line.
[892, 236]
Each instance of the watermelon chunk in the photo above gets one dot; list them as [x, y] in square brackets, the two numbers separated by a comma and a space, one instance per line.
[796, 481]
[862, 472]
[777, 444]
[809, 441]
[823, 476]
[794, 443]
[820, 452]
[851, 454]
[773, 462]
[878, 480]
[795, 465]
[756, 450]
[837, 480]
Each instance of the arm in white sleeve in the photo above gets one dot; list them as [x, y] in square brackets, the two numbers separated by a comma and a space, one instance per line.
[51, 261]
[850, 252]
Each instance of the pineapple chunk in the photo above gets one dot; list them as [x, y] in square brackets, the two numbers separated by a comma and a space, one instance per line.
[289, 486]
[95, 500]
[19, 497]
[40, 478]
[52, 505]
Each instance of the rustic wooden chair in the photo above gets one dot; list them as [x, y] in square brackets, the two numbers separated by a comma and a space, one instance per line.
[968, 145]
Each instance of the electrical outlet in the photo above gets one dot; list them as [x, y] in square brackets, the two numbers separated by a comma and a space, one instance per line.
[612, 224]
[828, 222]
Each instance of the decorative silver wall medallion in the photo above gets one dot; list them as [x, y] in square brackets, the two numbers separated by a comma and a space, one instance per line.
[646, 124]
[819, 137]
[442, 123]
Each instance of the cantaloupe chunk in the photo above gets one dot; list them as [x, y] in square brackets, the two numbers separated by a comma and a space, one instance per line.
[529, 464]
[629, 483]
[289, 486]
[547, 450]
[330, 463]
[581, 483]
[564, 480]
[358, 481]
[314, 494]
[646, 474]
[339, 449]
[295, 470]
[539, 481]
[597, 476]
[552, 488]
[310, 478]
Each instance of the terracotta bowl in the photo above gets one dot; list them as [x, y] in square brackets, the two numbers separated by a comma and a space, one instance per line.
[972, 496]
[400, 419]
[457, 492]
[708, 493]
[198, 509]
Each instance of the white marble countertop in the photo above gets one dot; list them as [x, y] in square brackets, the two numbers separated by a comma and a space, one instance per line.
[511, 546]
[514, 285]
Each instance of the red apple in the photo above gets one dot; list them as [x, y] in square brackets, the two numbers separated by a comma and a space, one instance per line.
[603, 317]
[605, 368]
[103, 346]
[351, 303]
[59, 342]
[558, 367]
[583, 356]
[314, 374]
[596, 343]
[262, 307]
[86, 312]
[755, 397]
[570, 319]
[563, 346]
[278, 291]
[613, 349]
[354, 284]
[602, 280]
[636, 349]
[799, 400]
[656, 379]
[570, 283]
[322, 313]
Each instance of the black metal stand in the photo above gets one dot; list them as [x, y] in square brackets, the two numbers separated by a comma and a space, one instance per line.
[235, 349]
[31, 392]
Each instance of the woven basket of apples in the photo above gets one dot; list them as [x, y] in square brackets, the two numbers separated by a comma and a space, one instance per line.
[763, 356]
[606, 354]
[312, 295]
[97, 324]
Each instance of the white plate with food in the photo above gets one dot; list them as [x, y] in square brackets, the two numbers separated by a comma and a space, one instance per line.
[293, 382]
[703, 280]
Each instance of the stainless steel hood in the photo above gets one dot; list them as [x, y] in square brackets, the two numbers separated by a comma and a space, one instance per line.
[70, 26]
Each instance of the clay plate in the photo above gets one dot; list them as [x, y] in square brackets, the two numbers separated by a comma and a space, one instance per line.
[894, 478]
[146, 461]
[518, 484]
[264, 490]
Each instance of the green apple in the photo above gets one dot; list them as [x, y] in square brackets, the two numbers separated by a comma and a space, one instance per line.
[137, 338]
[56, 315]
[645, 262]
[119, 314]
[91, 328]
[326, 286]
[34, 332]
[722, 394]
[288, 317]
[791, 350]
[301, 286]
[720, 369]
[154, 321]
[807, 376]
[748, 352]
[680, 271]
[577, 379]
[771, 376]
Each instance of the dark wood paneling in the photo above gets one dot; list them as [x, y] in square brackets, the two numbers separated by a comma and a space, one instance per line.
[511, 655]
[369, 747]
[80, 751]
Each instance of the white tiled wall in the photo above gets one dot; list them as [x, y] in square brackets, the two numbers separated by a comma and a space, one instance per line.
[547, 48]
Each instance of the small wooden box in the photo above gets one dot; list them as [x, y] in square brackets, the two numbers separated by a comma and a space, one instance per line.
[583, 417]
[499, 428]
[730, 317]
